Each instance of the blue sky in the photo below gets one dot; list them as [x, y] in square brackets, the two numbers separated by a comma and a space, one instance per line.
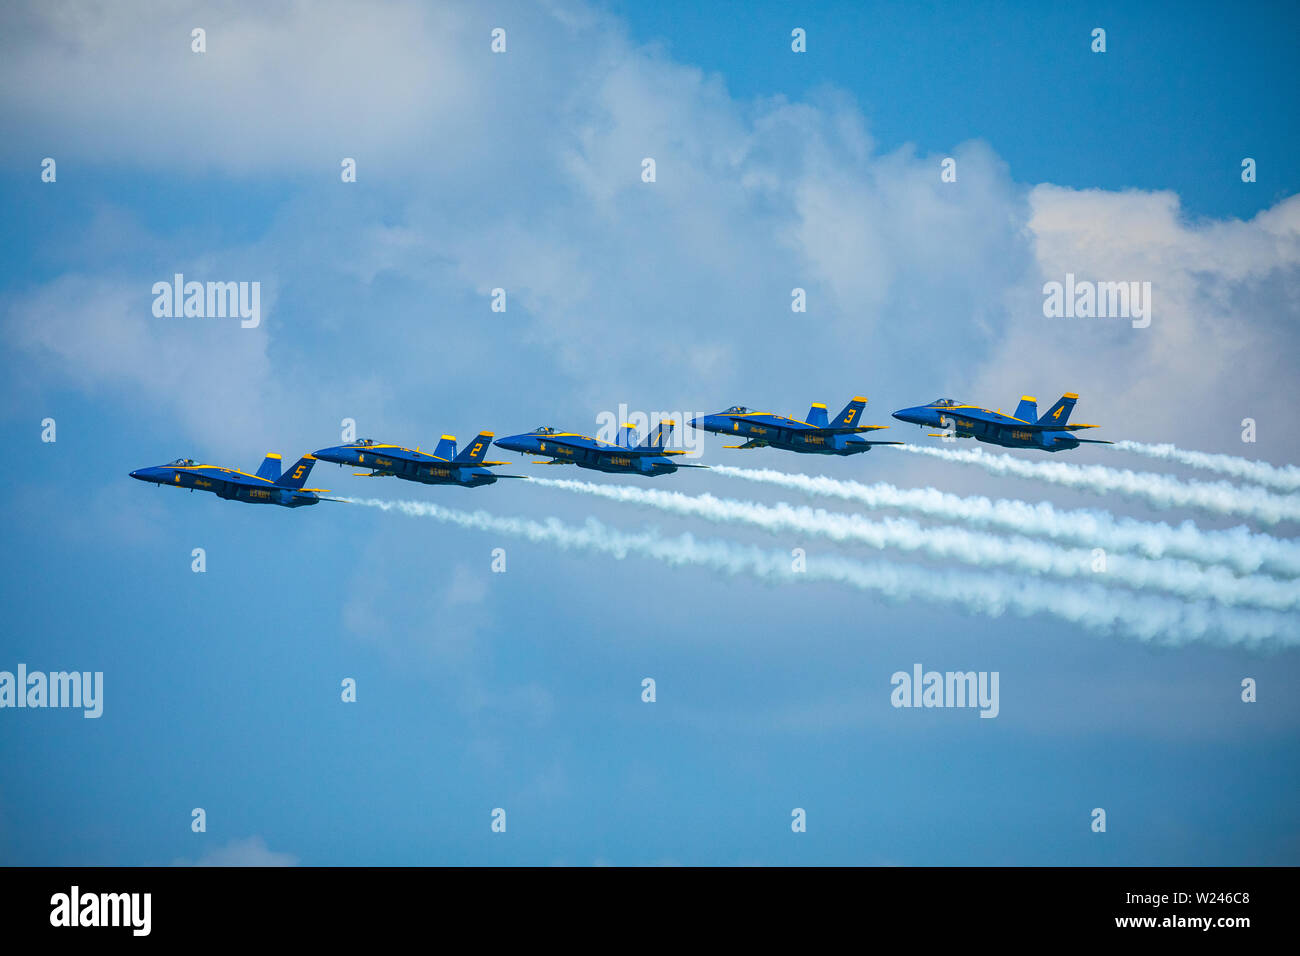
[522, 171]
[1182, 87]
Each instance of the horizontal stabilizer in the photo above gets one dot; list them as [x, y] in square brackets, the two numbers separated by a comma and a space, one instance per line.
[1049, 427]
[854, 430]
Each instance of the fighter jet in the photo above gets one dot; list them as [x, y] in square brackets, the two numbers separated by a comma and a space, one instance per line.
[443, 467]
[1022, 430]
[267, 487]
[569, 448]
[816, 436]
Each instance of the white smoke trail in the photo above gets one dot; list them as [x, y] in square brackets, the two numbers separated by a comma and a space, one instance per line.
[1181, 578]
[1159, 491]
[1240, 549]
[1148, 618]
[1277, 477]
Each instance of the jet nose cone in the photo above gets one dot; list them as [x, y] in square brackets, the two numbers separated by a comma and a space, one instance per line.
[135, 474]
[906, 415]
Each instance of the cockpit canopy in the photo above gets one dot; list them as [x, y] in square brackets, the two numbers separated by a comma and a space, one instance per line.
[543, 430]
[365, 441]
[943, 403]
[187, 462]
[738, 409]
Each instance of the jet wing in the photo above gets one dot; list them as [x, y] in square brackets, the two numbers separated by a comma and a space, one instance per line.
[637, 452]
[1027, 426]
[598, 448]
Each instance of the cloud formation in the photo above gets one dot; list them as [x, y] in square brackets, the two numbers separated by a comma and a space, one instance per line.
[522, 171]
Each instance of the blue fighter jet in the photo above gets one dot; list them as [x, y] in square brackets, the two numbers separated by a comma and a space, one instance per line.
[443, 467]
[816, 436]
[1022, 430]
[267, 487]
[569, 448]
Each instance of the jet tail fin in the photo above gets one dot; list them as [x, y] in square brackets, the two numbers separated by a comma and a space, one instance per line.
[446, 447]
[817, 415]
[658, 436]
[473, 455]
[850, 414]
[1027, 410]
[1059, 413]
[296, 476]
[270, 468]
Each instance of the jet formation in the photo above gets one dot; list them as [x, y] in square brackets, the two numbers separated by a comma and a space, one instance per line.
[818, 434]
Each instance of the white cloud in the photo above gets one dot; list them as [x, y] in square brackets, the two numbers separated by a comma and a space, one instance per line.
[287, 86]
[522, 171]
[250, 851]
[1223, 339]
[99, 334]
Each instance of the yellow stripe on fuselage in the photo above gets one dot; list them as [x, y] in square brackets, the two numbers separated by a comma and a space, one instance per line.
[226, 471]
[779, 418]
